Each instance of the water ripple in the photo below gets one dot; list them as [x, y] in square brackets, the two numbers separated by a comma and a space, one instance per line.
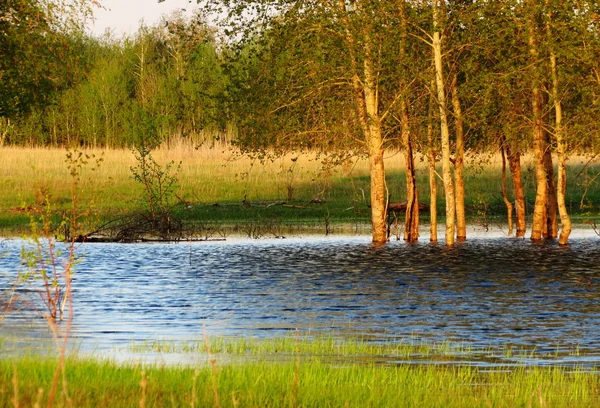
[487, 292]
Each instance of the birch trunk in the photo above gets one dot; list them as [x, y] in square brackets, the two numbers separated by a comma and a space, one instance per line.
[375, 144]
[459, 163]
[539, 225]
[446, 163]
[411, 218]
[432, 173]
[509, 206]
[367, 106]
[514, 163]
[559, 134]
[551, 230]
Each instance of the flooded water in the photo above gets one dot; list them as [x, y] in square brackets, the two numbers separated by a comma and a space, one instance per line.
[490, 292]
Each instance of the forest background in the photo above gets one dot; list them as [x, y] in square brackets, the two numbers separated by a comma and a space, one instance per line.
[333, 80]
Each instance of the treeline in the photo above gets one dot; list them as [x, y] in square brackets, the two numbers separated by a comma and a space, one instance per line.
[165, 81]
[438, 77]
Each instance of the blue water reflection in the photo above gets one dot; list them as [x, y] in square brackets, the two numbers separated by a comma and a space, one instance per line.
[487, 292]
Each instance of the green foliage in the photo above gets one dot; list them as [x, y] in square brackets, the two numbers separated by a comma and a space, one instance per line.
[160, 182]
[31, 57]
[160, 185]
[171, 72]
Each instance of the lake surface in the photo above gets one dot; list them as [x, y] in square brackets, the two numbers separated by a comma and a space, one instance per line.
[490, 292]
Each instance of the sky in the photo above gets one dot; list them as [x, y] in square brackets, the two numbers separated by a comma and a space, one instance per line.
[124, 16]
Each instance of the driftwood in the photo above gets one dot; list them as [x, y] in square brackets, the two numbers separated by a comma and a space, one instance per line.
[267, 204]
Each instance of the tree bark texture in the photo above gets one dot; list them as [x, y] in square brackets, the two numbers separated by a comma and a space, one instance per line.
[514, 163]
[539, 224]
[551, 230]
[561, 148]
[411, 218]
[432, 173]
[367, 107]
[446, 163]
[459, 164]
[509, 206]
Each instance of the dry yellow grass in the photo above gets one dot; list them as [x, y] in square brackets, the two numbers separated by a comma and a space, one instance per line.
[206, 174]
[220, 174]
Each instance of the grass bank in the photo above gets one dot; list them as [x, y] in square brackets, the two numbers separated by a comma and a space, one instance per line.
[295, 191]
[299, 371]
[302, 383]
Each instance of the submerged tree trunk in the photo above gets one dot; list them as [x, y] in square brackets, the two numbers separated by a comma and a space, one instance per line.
[509, 206]
[378, 190]
[514, 162]
[367, 106]
[539, 224]
[565, 220]
[411, 219]
[375, 143]
[432, 173]
[446, 163]
[559, 134]
[461, 223]
[551, 230]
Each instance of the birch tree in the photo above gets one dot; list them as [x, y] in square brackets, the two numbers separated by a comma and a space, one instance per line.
[445, 132]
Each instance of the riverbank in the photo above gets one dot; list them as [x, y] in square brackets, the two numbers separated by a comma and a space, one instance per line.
[220, 190]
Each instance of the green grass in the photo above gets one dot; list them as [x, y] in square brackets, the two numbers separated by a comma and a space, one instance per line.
[303, 383]
[337, 348]
[300, 371]
[320, 345]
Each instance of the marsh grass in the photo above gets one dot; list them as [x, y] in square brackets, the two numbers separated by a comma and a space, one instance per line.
[306, 344]
[334, 348]
[310, 383]
[299, 371]
[210, 176]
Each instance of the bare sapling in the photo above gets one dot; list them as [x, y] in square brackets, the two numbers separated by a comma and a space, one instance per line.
[54, 235]
[50, 259]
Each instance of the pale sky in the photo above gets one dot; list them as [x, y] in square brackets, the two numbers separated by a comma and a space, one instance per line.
[124, 16]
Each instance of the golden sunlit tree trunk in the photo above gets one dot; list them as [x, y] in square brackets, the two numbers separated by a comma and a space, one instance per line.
[459, 163]
[411, 219]
[375, 144]
[367, 106]
[446, 163]
[551, 230]
[514, 162]
[509, 206]
[559, 135]
[431, 153]
[539, 225]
